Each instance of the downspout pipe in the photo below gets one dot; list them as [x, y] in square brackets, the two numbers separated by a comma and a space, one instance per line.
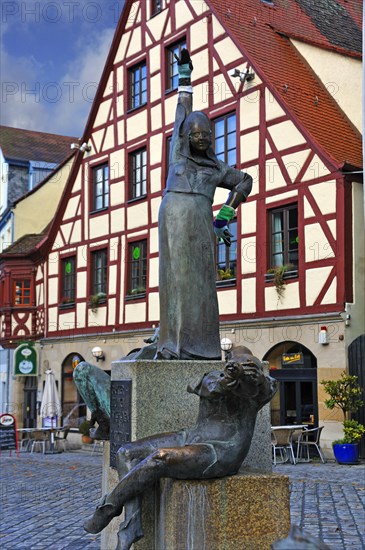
[363, 95]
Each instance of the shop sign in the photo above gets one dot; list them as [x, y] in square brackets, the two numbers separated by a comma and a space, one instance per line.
[25, 360]
[292, 359]
[8, 433]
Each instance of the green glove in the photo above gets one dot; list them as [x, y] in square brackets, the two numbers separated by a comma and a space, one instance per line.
[184, 71]
[184, 64]
[226, 213]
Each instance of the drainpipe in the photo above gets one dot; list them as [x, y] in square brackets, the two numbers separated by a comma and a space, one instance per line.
[8, 378]
[363, 96]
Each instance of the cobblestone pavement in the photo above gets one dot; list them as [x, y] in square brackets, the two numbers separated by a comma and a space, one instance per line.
[328, 501]
[45, 498]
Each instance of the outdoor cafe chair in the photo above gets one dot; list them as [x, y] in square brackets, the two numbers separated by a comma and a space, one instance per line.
[282, 441]
[309, 438]
[25, 442]
[61, 437]
[39, 439]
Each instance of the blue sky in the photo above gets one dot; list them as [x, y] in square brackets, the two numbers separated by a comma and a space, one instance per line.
[52, 56]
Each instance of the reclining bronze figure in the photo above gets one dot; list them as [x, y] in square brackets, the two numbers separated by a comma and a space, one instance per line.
[215, 447]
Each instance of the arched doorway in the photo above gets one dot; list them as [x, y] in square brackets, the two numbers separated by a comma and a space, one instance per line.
[295, 368]
[73, 408]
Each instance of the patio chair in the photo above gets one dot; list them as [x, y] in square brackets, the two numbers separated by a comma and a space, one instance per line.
[98, 444]
[61, 437]
[282, 441]
[25, 443]
[310, 438]
[39, 439]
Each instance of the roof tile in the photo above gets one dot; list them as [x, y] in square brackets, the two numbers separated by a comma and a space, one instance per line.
[254, 29]
[17, 143]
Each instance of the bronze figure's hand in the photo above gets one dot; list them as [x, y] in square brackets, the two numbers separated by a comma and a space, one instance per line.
[184, 63]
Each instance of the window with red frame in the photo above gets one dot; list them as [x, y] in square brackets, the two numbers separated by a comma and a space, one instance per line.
[137, 85]
[68, 280]
[138, 170]
[137, 272]
[100, 177]
[224, 133]
[22, 292]
[99, 273]
[283, 225]
[156, 7]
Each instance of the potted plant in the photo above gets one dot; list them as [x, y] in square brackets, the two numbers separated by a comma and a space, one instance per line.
[225, 274]
[345, 394]
[95, 300]
[278, 274]
[84, 430]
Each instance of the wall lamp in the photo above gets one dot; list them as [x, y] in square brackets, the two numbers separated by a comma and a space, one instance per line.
[84, 147]
[226, 344]
[242, 75]
[98, 353]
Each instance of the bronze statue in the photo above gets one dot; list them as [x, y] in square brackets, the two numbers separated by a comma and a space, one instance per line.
[189, 322]
[215, 447]
[94, 387]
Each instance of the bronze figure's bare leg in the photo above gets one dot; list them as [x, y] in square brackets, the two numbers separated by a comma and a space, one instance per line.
[176, 462]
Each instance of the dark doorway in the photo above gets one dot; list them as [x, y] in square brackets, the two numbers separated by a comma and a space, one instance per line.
[295, 368]
[30, 402]
[73, 408]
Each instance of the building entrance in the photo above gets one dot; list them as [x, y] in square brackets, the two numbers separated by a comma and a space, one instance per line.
[295, 368]
[30, 402]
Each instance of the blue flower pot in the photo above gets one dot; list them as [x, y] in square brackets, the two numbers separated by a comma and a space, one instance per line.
[346, 453]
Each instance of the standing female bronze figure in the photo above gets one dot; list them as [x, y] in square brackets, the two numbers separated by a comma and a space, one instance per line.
[189, 322]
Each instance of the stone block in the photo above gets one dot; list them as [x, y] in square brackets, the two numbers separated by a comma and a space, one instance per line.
[243, 511]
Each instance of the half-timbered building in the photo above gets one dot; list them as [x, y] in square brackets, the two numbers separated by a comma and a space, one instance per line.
[280, 82]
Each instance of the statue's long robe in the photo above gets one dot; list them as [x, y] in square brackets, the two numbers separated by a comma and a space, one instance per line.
[189, 317]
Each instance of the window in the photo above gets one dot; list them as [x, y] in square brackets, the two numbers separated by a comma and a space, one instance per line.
[99, 267]
[156, 7]
[227, 256]
[225, 139]
[172, 74]
[138, 169]
[284, 237]
[100, 175]
[68, 280]
[137, 267]
[138, 86]
[22, 295]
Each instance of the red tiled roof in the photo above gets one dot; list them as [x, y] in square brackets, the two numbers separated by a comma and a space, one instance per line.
[281, 66]
[29, 145]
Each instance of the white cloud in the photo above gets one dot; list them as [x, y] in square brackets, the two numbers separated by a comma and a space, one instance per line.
[31, 100]
[80, 82]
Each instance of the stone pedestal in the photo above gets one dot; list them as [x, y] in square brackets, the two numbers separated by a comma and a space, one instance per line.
[237, 512]
[160, 403]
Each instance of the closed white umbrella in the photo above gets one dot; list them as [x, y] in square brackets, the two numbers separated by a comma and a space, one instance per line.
[50, 405]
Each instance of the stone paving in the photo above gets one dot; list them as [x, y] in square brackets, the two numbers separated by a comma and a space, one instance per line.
[45, 498]
[328, 501]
